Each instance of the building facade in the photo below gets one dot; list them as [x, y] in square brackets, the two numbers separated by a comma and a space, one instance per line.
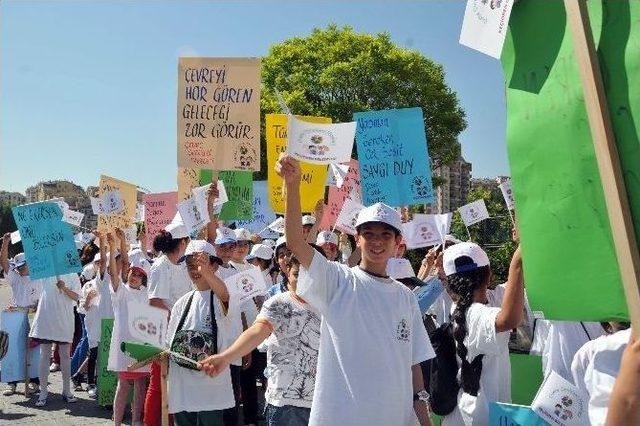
[453, 191]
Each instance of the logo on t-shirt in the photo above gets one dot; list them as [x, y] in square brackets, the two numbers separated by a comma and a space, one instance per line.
[403, 331]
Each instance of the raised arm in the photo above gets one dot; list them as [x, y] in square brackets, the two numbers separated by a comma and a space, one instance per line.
[624, 405]
[510, 315]
[318, 212]
[4, 252]
[124, 254]
[289, 169]
[113, 269]
[215, 283]
[212, 226]
[103, 254]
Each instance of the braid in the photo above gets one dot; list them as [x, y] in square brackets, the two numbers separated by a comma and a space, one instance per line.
[463, 284]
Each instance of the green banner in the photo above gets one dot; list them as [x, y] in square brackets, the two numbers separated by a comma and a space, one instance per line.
[571, 270]
[239, 187]
[107, 380]
[526, 377]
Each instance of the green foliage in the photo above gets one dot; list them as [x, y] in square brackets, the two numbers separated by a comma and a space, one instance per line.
[8, 224]
[335, 72]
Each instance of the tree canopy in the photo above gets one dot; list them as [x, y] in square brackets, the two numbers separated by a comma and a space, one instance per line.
[335, 72]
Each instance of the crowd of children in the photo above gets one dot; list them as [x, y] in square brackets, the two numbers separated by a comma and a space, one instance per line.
[342, 336]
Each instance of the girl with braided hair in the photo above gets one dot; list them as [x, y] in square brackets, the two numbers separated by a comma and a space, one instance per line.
[481, 332]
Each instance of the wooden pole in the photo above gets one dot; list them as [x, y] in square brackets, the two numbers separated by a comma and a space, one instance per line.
[607, 156]
[164, 365]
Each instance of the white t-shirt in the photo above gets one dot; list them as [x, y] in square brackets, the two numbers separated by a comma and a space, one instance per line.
[495, 380]
[99, 309]
[25, 292]
[54, 318]
[235, 316]
[371, 335]
[292, 357]
[168, 281]
[558, 342]
[191, 390]
[118, 360]
[595, 368]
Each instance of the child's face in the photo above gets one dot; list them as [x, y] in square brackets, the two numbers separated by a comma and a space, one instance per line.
[292, 276]
[23, 271]
[135, 278]
[378, 242]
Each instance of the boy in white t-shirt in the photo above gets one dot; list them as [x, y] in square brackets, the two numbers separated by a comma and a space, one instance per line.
[372, 336]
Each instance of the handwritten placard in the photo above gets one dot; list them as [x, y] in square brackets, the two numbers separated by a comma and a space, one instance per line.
[394, 161]
[337, 196]
[48, 242]
[262, 214]
[219, 113]
[313, 176]
[239, 188]
[187, 180]
[125, 217]
[159, 211]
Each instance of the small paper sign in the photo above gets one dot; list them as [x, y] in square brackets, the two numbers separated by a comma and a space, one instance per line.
[348, 216]
[277, 225]
[112, 202]
[96, 206]
[192, 215]
[15, 237]
[247, 284]
[147, 324]
[426, 230]
[337, 174]
[559, 402]
[484, 27]
[72, 217]
[318, 143]
[507, 193]
[474, 212]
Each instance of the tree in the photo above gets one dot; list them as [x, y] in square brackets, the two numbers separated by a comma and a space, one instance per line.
[335, 72]
[8, 224]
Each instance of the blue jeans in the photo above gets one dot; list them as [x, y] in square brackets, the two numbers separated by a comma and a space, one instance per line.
[82, 349]
[287, 415]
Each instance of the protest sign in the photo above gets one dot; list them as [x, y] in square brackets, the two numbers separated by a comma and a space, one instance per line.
[474, 212]
[338, 195]
[72, 217]
[147, 324]
[262, 214]
[187, 180]
[313, 176]
[47, 241]
[193, 217]
[507, 193]
[559, 402]
[277, 225]
[346, 221]
[97, 205]
[237, 189]
[320, 143]
[526, 377]
[110, 220]
[13, 365]
[426, 230]
[561, 202]
[107, 380]
[336, 174]
[394, 160]
[219, 113]
[112, 202]
[484, 27]
[159, 211]
[15, 237]
[513, 415]
[246, 284]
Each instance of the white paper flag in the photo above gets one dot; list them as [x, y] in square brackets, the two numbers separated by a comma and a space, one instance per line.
[507, 193]
[246, 284]
[147, 324]
[96, 205]
[277, 225]
[474, 212]
[336, 175]
[72, 217]
[112, 202]
[559, 402]
[346, 221]
[426, 230]
[140, 212]
[320, 143]
[485, 23]
[15, 237]
[283, 105]
[192, 216]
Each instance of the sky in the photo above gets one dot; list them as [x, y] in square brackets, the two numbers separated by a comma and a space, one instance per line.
[89, 87]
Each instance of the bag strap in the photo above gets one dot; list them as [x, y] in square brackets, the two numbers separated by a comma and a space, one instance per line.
[185, 312]
[585, 330]
[214, 324]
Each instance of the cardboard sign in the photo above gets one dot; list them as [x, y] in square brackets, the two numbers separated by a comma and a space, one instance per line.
[108, 222]
[474, 212]
[112, 202]
[319, 143]
[107, 380]
[313, 177]
[13, 366]
[187, 180]
[193, 217]
[394, 160]
[348, 216]
[159, 209]
[247, 284]
[48, 242]
[219, 113]
[559, 402]
[426, 230]
[337, 196]
[484, 27]
[262, 214]
[147, 324]
[513, 415]
[238, 188]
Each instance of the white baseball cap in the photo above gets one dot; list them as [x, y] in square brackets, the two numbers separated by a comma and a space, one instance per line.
[242, 234]
[478, 257]
[380, 212]
[201, 246]
[225, 235]
[269, 243]
[307, 219]
[88, 272]
[19, 260]
[399, 267]
[260, 251]
[177, 230]
[134, 254]
[326, 237]
[142, 264]
[280, 241]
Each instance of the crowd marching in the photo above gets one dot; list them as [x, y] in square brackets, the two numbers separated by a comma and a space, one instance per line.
[346, 334]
